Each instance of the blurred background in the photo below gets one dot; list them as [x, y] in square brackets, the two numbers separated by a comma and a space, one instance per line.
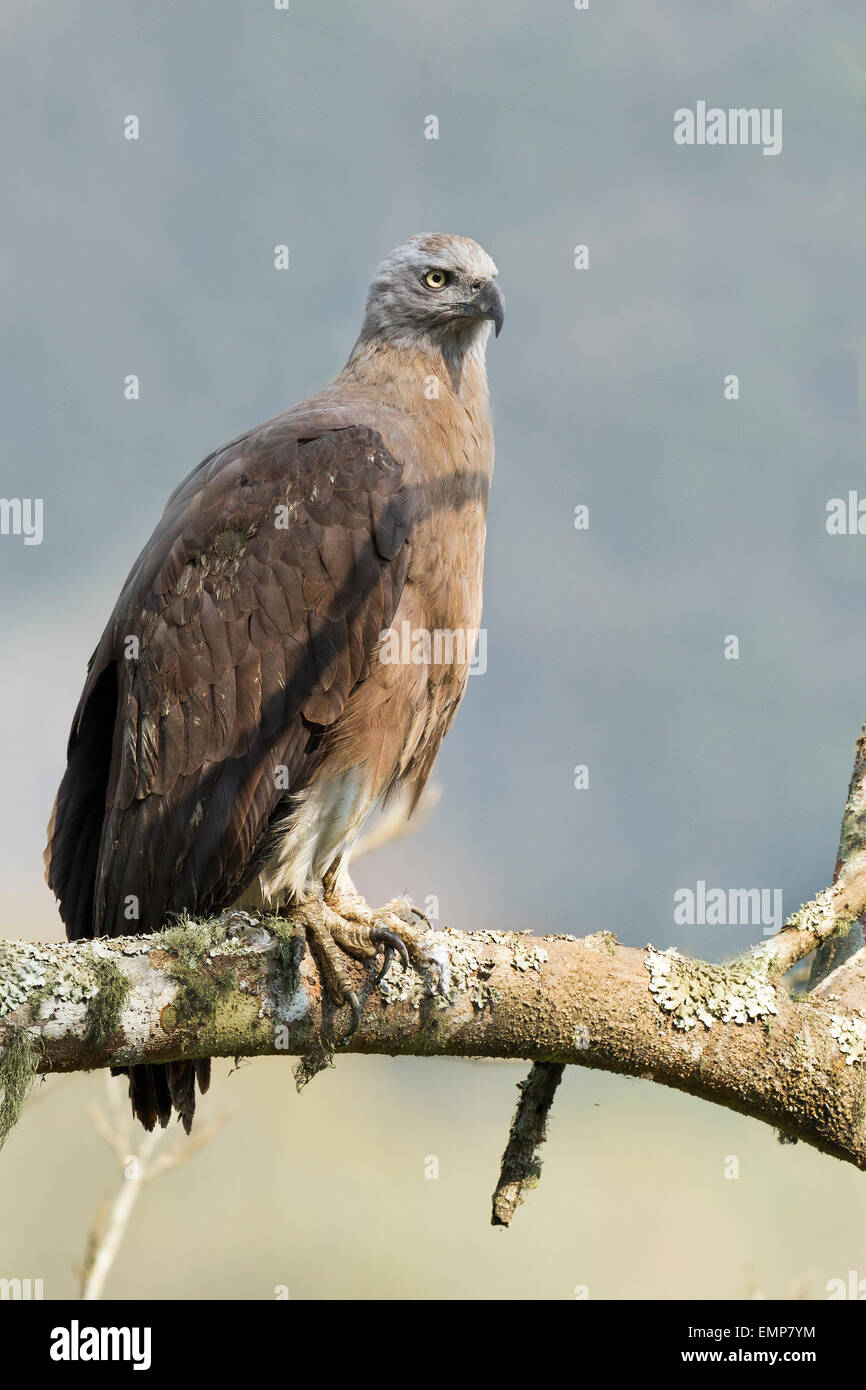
[605, 647]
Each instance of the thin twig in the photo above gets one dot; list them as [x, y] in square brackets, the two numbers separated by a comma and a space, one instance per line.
[113, 1217]
[138, 1165]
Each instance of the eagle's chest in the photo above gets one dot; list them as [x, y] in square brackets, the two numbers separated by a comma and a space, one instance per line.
[446, 557]
[440, 610]
[443, 591]
[444, 578]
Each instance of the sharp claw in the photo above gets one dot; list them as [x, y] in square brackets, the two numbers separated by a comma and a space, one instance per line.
[392, 942]
[389, 956]
[351, 999]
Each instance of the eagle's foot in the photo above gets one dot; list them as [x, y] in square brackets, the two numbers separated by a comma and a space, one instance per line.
[400, 919]
[333, 935]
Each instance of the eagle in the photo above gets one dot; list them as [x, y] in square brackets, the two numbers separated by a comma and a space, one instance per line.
[239, 721]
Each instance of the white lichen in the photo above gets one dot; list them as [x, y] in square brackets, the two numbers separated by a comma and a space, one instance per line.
[456, 963]
[814, 915]
[526, 957]
[850, 1034]
[600, 941]
[693, 992]
[401, 985]
[28, 969]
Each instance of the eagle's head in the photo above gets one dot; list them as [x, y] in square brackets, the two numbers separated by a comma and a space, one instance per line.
[438, 290]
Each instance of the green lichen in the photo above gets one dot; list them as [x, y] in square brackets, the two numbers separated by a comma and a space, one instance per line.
[288, 953]
[693, 992]
[17, 1070]
[104, 1008]
[212, 998]
[187, 939]
[200, 989]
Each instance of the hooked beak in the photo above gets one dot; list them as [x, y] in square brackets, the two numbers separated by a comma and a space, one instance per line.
[488, 303]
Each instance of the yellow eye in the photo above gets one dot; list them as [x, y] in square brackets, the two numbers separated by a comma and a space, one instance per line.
[435, 279]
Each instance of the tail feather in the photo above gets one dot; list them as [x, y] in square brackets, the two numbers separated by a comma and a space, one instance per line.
[155, 1091]
[181, 1086]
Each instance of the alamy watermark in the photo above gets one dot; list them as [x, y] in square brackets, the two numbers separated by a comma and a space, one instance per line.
[443, 646]
[846, 516]
[77, 1343]
[22, 516]
[738, 125]
[20, 1290]
[733, 907]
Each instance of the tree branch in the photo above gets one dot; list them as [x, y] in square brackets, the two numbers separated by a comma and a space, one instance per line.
[239, 985]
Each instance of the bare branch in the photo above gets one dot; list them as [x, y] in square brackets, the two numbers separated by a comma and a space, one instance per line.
[113, 1217]
[521, 1162]
[136, 1153]
[852, 839]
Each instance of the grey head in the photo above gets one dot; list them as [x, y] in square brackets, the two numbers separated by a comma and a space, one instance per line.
[435, 291]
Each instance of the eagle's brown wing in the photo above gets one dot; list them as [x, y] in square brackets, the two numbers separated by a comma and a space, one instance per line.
[244, 625]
